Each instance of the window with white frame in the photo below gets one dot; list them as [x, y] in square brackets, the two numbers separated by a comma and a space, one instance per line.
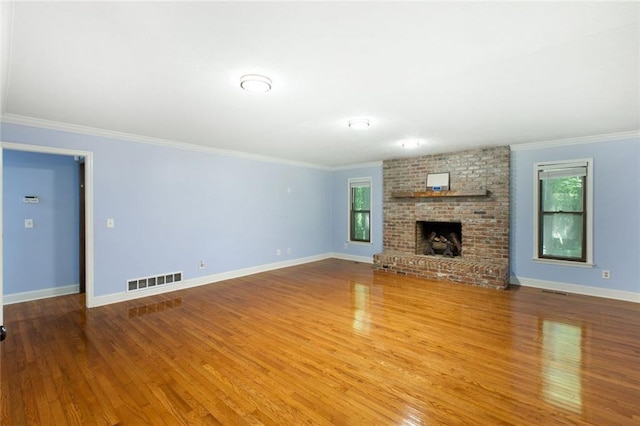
[563, 211]
[360, 210]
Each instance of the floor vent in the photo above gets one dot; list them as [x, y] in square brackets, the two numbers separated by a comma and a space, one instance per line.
[155, 281]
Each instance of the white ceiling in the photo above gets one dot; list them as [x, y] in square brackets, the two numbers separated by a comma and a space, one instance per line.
[455, 75]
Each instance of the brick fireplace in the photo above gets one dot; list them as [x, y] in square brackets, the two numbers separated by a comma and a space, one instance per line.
[476, 209]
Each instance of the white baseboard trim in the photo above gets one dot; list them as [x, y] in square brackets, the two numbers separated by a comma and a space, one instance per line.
[628, 296]
[344, 256]
[208, 279]
[27, 296]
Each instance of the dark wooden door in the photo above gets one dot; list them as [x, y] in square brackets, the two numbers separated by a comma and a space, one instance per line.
[83, 269]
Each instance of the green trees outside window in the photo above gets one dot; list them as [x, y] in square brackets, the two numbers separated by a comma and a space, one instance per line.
[562, 214]
[360, 211]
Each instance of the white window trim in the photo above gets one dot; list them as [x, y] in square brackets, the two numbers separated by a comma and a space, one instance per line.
[362, 181]
[536, 207]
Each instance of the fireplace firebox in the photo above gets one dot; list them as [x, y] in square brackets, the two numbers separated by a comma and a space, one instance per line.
[439, 238]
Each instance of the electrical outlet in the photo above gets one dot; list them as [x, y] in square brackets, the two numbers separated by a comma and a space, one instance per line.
[289, 250]
[606, 274]
[346, 246]
[202, 264]
[278, 252]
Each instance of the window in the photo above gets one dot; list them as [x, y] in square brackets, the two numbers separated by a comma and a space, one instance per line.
[360, 210]
[563, 211]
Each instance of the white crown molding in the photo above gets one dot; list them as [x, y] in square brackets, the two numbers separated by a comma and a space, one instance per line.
[609, 137]
[608, 293]
[28, 296]
[130, 137]
[357, 166]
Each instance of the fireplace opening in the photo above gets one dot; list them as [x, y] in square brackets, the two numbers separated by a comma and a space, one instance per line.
[439, 238]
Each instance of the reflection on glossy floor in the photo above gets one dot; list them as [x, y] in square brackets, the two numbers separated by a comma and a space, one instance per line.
[325, 343]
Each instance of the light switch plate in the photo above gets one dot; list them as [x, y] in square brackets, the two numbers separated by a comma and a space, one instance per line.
[111, 223]
[28, 223]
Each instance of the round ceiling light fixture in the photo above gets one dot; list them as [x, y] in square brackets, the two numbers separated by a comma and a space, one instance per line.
[359, 123]
[410, 143]
[255, 83]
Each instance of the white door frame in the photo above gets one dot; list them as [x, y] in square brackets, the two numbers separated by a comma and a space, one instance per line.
[88, 184]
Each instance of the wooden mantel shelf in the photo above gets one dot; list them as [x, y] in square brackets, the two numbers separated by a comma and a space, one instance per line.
[435, 194]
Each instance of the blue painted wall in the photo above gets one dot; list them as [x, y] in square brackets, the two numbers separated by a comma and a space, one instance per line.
[45, 256]
[616, 215]
[340, 193]
[174, 208]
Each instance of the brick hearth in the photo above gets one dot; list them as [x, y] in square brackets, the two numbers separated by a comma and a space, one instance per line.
[484, 215]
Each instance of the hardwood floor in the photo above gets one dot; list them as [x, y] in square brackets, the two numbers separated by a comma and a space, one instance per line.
[330, 342]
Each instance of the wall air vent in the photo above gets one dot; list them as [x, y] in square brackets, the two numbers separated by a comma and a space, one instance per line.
[155, 281]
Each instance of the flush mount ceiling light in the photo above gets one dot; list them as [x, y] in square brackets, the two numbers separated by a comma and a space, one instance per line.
[410, 143]
[359, 123]
[255, 83]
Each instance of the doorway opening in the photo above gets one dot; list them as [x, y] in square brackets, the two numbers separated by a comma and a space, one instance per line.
[86, 268]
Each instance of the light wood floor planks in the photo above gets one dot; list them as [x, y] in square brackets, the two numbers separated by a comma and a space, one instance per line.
[330, 342]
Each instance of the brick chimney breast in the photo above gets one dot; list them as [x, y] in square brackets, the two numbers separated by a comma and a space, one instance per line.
[478, 199]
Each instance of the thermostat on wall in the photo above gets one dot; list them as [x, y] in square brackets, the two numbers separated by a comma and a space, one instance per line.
[31, 199]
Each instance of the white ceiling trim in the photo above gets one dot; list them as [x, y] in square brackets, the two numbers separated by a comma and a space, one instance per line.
[92, 131]
[358, 166]
[581, 140]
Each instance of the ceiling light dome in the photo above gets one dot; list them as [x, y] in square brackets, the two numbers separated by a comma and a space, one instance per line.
[359, 123]
[255, 83]
[410, 143]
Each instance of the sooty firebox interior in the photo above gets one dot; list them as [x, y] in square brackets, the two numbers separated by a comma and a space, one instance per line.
[439, 238]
